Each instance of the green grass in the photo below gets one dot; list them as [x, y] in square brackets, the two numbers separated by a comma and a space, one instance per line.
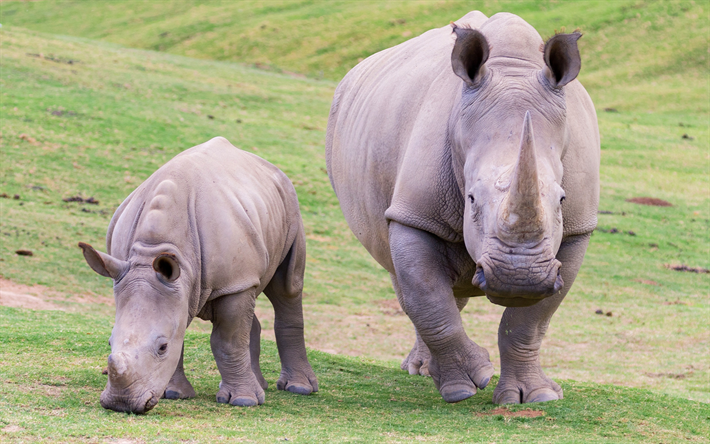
[100, 125]
[625, 40]
[54, 397]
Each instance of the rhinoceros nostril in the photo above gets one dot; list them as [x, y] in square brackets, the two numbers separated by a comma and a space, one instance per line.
[559, 283]
[479, 278]
[150, 403]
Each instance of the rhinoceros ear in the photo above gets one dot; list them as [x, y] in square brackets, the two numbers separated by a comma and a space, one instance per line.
[562, 59]
[469, 54]
[166, 264]
[102, 263]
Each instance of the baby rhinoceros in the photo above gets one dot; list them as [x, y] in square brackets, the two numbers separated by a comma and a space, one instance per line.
[204, 236]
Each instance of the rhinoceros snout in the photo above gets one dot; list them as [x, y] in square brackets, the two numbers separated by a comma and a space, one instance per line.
[510, 284]
[128, 404]
[123, 392]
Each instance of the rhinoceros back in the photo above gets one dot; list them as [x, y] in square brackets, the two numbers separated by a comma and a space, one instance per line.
[386, 141]
[231, 214]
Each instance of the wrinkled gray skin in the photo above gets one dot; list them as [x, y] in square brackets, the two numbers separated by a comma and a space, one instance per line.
[204, 236]
[451, 155]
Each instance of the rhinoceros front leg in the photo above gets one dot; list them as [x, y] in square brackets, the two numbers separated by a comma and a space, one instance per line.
[425, 269]
[231, 331]
[521, 332]
[417, 362]
[179, 387]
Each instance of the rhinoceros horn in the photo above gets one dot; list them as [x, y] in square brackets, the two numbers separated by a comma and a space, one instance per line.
[522, 213]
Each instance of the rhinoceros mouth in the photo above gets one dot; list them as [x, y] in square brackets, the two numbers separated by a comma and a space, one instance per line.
[516, 277]
[129, 404]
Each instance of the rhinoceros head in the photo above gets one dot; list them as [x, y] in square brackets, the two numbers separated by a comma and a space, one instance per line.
[509, 135]
[151, 318]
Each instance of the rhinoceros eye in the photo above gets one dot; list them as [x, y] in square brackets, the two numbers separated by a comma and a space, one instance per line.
[562, 199]
[471, 199]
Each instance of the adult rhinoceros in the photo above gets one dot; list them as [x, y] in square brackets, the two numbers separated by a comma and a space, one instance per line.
[451, 155]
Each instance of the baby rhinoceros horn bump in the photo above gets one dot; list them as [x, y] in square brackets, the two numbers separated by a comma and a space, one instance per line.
[117, 366]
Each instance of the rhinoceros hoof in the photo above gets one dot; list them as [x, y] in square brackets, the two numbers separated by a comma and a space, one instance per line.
[243, 396]
[301, 383]
[417, 362]
[461, 382]
[455, 392]
[520, 392]
[183, 391]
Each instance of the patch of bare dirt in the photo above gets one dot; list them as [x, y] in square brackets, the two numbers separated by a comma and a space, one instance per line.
[50, 390]
[11, 429]
[669, 375]
[650, 201]
[53, 391]
[24, 296]
[39, 297]
[676, 302]
[390, 307]
[527, 413]
[686, 268]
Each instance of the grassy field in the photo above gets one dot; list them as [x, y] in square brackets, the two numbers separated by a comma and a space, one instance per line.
[91, 118]
[54, 397]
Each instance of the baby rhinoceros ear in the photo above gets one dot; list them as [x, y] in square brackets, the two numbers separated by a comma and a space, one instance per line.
[102, 263]
[166, 265]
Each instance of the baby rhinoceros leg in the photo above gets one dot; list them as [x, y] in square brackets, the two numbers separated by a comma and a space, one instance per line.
[231, 332]
[255, 352]
[179, 387]
[285, 293]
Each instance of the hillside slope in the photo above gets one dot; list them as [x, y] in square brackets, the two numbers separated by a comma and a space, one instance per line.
[658, 48]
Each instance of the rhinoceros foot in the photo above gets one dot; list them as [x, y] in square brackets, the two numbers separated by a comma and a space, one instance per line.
[179, 387]
[244, 395]
[458, 373]
[179, 391]
[417, 362]
[526, 387]
[300, 381]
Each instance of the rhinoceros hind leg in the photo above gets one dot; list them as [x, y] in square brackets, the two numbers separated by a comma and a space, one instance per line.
[285, 293]
[255, 352]
[417, 361]
[423, 271]
[231, 331]
[179, 387]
